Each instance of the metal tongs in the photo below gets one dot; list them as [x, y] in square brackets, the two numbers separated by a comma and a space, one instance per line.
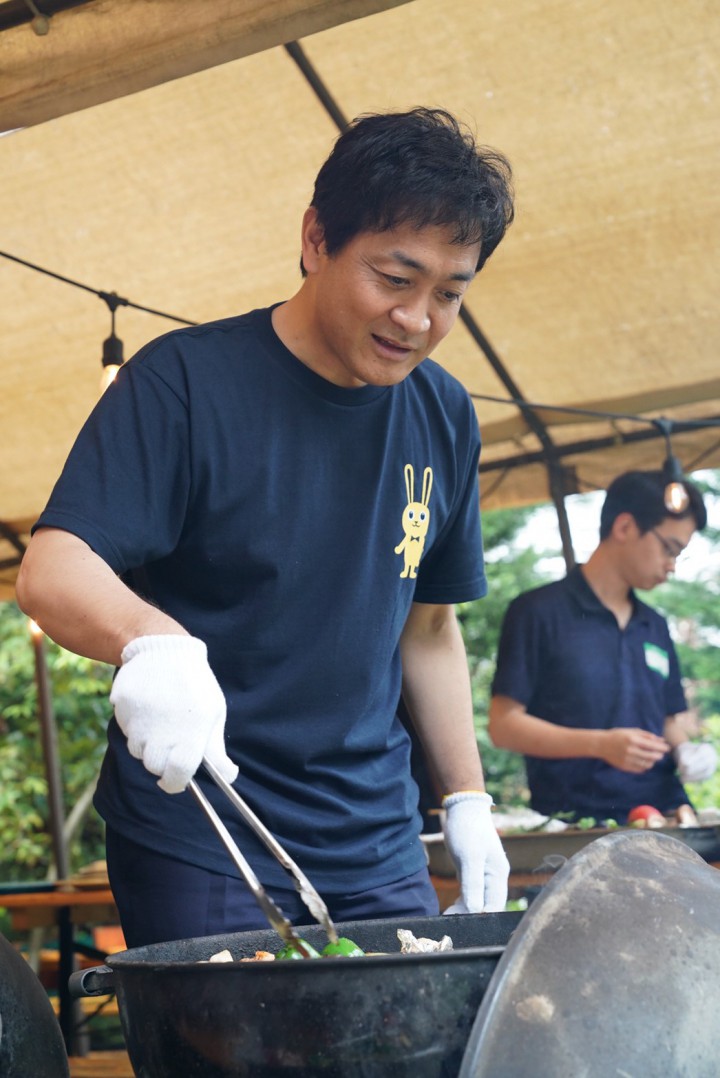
[305, 889]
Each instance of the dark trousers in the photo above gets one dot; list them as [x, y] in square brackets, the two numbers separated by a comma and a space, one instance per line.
[159, 898]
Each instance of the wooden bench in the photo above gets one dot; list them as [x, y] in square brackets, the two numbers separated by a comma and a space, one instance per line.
[101, 1065]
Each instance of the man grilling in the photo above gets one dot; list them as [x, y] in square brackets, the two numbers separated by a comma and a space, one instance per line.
[265, 525]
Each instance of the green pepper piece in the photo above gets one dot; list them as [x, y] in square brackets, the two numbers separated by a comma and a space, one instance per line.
[290, 951]
[344, 948]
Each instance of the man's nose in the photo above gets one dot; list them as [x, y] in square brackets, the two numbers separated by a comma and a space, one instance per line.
[412, 316]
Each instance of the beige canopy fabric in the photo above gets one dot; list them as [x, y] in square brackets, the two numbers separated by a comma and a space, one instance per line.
[165, 150]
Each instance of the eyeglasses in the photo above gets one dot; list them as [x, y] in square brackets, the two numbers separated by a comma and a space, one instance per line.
[672, 550]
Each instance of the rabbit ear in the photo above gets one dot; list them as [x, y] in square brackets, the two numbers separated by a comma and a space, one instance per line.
[409, 481]
[427, 485]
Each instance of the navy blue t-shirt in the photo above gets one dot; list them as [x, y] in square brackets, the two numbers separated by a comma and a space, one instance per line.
[261, 506]
[564, 657]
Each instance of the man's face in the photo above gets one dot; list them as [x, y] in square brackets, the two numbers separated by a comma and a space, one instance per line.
[383, 302]
[656, 551]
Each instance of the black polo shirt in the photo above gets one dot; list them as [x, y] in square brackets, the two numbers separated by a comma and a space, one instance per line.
[263, 508]
[564, 657]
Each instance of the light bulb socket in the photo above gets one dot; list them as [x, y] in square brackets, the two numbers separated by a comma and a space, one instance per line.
[112, 352]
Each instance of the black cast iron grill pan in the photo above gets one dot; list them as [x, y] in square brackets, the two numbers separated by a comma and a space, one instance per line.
[384, 1016]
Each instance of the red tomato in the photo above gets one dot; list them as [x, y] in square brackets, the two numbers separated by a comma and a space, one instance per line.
[646, 816]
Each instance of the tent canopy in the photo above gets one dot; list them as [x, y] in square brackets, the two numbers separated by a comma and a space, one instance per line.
[166, 151]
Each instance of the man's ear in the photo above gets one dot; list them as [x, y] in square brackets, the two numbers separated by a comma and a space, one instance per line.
[313, 240]
[625, 527]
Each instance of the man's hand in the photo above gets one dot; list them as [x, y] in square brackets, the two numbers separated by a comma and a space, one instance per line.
[631, 749]
[475, 847]
[696, 760]
[171, 709]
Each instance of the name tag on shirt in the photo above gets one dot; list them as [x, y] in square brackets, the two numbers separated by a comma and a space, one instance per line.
[657, 659]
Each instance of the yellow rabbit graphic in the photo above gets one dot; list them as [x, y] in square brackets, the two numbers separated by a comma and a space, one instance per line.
[415, 522]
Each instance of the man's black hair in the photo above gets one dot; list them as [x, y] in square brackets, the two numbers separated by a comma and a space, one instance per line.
[419, 167]
[642, 494]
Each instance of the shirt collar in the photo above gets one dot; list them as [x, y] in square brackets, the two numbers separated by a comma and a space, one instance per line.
[586, 598]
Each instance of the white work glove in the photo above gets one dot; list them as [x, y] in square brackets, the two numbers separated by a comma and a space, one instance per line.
[475, 847]
[696, 760]
[171, 709]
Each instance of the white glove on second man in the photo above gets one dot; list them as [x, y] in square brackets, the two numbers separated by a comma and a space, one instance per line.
[696, 760]
[475, 847]
[171, 709]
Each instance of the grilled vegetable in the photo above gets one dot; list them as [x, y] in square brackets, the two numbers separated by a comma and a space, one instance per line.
[343, 948]
[290, 951]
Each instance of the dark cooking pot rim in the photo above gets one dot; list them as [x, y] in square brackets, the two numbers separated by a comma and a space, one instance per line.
[122, 961]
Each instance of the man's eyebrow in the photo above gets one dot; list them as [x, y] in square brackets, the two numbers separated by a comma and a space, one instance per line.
[412, 263]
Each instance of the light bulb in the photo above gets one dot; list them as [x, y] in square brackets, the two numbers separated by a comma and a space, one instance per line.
[675, 496]
[112, 359]
[108, 376]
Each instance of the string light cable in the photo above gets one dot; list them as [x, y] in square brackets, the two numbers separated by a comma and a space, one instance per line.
[112, 352]
[676, 498]
[96, 291]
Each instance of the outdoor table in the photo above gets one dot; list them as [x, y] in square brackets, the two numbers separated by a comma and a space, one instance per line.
[66, 907]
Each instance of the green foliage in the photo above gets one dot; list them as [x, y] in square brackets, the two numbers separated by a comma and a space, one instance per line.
[707, 794]
[691, 607]
[80, 691]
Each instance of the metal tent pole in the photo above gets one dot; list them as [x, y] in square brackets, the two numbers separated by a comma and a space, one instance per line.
[70, 1011]
[556, 483]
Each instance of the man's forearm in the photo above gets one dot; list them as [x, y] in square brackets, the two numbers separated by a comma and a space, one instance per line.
[436, 690]
[511, 727]
[679, 728]
[629, 748]
[77, 599]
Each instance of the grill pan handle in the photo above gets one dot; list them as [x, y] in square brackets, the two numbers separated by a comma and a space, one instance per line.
[95, 981]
